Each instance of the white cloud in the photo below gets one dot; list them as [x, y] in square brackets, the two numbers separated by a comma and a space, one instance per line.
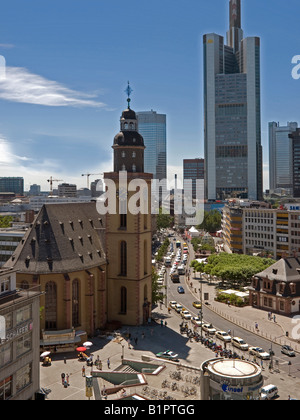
[22, 86]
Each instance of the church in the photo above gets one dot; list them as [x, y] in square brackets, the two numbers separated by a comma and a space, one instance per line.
[93, 269]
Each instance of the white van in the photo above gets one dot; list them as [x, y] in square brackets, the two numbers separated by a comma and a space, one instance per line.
[181, 270]
[268, 392]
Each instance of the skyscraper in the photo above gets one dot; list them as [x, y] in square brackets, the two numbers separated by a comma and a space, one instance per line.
[152, 127]
[281, 155]
[193, 169]
[232, 116]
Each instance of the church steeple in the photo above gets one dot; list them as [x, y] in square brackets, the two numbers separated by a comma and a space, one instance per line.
[128, 143]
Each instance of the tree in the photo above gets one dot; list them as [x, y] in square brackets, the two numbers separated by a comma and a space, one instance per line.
[164, 220]
[5, 221]
[156, 289]
[234, 268]
[212, 221]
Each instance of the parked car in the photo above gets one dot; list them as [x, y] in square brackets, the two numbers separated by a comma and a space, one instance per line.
[180, 289]
[196, 321]
[178, 308]
[259, 352]
[169, 355]
[222, 335]
[172, 303]
[185, 314]
[268, 392]
[209, 328]
[239, 343]
[288, 351]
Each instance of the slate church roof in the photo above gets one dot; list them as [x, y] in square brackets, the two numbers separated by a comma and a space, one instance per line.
[63, 238]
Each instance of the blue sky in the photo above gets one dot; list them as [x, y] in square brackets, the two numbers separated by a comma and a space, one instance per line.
[68, 63]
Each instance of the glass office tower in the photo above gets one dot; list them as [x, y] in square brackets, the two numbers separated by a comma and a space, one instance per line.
[193, 169]
[232, 116]
[12, 184]
[152, 127]
[281, 156]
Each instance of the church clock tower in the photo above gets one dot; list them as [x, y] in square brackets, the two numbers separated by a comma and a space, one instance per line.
[128, 234]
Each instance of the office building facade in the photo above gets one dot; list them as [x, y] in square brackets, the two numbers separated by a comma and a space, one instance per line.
[193, 169]
[281, 156]
[232, 116]
[152, 126]
[295, 137]
[20, 339]
[12, 185]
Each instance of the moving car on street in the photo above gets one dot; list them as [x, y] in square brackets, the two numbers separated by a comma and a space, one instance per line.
[288, 351]
[197, 304]
[180, 289]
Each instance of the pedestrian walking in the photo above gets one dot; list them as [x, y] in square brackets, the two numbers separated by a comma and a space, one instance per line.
[68, 379]
[136, 340]
[166, 323]
[62, 378]
[256, 326]
[108, 363]
[161, 323]
[100, 365]
[274, 318]
[83, 370]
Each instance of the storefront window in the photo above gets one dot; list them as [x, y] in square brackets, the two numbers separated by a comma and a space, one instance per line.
[6, 388]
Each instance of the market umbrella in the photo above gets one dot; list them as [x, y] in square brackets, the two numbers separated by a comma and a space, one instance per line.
[81, 349]
[45, 354]
[88, 344]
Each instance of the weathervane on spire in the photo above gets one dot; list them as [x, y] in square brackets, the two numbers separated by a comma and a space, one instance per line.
[128, 90]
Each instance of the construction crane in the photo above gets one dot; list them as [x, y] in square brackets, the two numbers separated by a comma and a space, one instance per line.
[88, 178]
[51, 180]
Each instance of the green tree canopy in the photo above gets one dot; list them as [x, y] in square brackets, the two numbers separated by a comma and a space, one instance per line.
[234, 268]
[212, 221]
[5, 221]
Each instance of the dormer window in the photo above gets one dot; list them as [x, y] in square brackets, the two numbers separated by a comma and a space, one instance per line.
[123, 154]
[133, 154]
[133, 168]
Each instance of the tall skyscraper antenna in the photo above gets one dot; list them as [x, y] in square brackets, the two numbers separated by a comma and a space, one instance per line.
[235, 14]
[235, 33]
